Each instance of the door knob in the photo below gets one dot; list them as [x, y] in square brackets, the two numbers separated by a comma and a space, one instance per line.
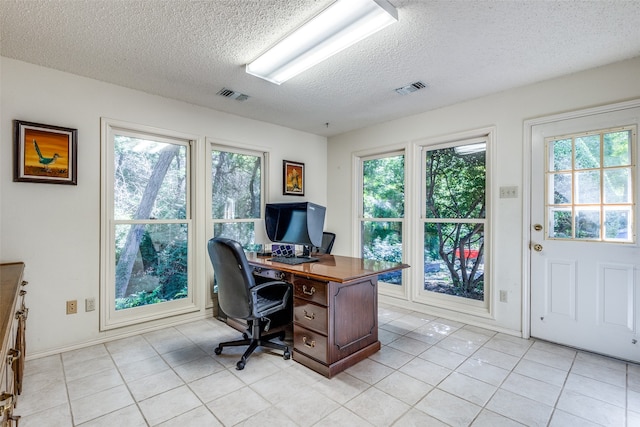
[537, 247]
[537, 227]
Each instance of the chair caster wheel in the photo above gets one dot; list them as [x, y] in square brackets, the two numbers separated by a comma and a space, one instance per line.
[287, 355]
[240, 365]
[245, 336]
[218, 350]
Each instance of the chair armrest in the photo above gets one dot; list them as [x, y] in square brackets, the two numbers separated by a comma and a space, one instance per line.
[285, 290]
[274, 283]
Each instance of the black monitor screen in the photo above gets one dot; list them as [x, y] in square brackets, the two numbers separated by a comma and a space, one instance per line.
[295, 223]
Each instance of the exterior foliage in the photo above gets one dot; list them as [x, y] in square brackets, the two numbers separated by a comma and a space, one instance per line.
[454, 228]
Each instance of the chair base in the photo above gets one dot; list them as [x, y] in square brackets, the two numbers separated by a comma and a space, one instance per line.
[253, 343]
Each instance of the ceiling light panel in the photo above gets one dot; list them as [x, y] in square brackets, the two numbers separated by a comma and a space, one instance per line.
[339, 26]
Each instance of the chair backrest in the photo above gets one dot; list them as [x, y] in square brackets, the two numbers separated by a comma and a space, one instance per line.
[327, 243]
[233, 276]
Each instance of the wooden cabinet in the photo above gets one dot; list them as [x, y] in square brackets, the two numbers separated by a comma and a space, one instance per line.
[13, 317]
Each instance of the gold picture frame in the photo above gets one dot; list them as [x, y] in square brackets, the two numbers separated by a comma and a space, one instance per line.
[293, 178]
[45, 153]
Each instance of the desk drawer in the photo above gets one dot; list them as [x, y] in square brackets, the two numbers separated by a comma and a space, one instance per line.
[269, 274]
[309, 315]
[310, 343]
[311, 290]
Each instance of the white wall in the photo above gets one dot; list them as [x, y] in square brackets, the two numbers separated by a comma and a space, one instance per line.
[507, 111]
[55, 229]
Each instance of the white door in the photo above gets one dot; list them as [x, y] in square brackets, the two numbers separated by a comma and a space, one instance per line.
[585, 256]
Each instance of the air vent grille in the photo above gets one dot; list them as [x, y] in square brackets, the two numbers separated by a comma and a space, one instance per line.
[412, 87]
[232, 94]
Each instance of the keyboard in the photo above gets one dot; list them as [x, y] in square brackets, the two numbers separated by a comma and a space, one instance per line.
[292, 260]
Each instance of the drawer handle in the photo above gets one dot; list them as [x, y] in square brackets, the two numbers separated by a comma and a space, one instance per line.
[309, 317]
[13, 355]
[308, 292]
[309, 344]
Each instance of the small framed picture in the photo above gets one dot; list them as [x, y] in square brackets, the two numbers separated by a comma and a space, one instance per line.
[45, 153]
[293, 178]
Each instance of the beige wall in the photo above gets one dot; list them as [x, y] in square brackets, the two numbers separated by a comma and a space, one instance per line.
[55, 229]
[507, 112]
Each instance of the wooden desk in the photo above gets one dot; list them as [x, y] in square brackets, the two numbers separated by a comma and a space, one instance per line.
[335, 308]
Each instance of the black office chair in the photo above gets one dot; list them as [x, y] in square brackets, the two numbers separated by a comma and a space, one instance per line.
[328, 239]
[241, 298]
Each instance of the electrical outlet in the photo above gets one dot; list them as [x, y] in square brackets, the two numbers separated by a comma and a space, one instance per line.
[503, 296]
[72, 307]
[89, 304]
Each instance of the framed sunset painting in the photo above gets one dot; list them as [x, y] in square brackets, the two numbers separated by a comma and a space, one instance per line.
[44, 153]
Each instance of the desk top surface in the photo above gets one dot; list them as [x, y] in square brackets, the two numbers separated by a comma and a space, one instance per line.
[330, 267]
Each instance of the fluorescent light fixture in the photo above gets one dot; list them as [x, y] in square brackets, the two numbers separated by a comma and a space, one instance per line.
[342, 24]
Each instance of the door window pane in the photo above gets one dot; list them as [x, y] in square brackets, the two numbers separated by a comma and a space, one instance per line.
[617, 223]
[587, 150]
[587, 187]
[617, 185]
[587, 223]
[561, 189]
[561, 152]
[592, 199]
[561, 223]
[617, 148]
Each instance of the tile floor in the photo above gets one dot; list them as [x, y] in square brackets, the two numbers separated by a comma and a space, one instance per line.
[429, 372]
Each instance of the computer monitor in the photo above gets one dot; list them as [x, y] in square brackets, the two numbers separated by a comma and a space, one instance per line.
[299, 223]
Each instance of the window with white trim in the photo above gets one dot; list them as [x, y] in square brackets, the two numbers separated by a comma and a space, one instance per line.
[146, 224]
[381, 213]
[454, 217]
[237, 194]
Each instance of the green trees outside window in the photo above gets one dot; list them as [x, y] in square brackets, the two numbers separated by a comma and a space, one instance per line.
[150, 221]
[454, 224]
[236, 199]
[383, 211]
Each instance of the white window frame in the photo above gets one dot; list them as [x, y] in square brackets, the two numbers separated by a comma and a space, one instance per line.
[483, 308]
[398, 291]
[240, 148]
[109, 317]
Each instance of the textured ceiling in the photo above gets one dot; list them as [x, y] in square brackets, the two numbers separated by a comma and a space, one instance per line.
[189, 50]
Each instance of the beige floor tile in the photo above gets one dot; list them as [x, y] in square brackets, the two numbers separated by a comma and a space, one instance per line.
[430, 372]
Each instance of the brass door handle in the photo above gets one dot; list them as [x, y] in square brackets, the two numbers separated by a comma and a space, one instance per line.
[537, 227]
[537, 247]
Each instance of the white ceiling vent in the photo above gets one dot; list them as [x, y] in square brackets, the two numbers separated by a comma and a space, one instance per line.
[232, 94]
[405, 90]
